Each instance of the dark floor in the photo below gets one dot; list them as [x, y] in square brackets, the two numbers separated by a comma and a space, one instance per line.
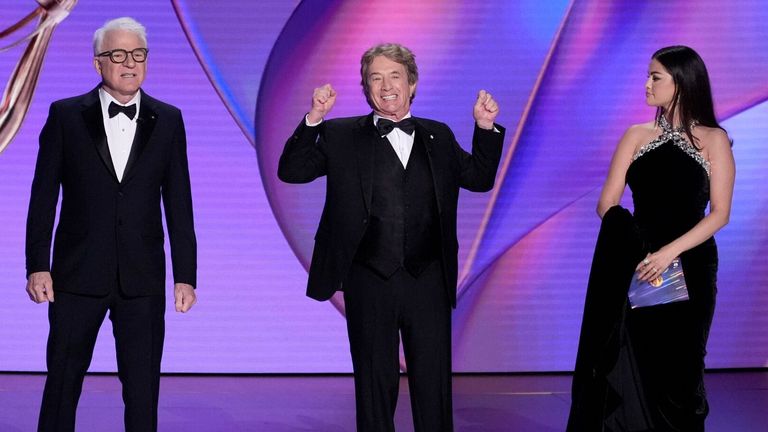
[526, 403]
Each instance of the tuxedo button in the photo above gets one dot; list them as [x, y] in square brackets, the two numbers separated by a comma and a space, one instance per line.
[365, 221]
[120, 194]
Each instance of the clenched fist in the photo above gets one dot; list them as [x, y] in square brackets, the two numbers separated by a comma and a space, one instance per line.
[40, 287]
[485, 111]
[323, 99]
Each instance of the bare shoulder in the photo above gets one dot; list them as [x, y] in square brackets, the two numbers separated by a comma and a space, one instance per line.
[637, 135]
[647, 128]
[707, 136]
[711, 140]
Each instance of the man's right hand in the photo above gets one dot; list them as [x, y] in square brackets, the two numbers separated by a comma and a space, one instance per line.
[323, 99]
[40, 287]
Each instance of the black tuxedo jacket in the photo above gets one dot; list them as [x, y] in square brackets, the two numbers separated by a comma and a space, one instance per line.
[110, 230]
[343, 150]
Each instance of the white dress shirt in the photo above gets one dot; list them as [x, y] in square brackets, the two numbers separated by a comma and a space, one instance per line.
[402, 143]
[120, 131]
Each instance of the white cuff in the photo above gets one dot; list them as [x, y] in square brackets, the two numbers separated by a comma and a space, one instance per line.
[306, 121]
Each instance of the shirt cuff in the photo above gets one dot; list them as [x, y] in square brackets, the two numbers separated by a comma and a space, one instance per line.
[306, 121]
[495, 129]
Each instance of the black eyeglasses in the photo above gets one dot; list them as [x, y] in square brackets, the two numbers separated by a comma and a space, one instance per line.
[139, 55]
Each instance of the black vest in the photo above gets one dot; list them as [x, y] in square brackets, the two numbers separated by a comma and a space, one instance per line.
[403, 229]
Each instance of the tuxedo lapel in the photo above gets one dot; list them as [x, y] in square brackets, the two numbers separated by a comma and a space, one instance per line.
[365, 138]
[145, 124]
[94, 122]
[428, 140]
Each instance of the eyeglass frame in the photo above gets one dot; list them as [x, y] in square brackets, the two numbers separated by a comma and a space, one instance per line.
[110, 52]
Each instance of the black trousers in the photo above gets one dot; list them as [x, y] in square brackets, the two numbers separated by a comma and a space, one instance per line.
[139, 328]
[378, 312]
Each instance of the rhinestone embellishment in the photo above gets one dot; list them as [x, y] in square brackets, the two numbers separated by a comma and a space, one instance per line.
[677, 137]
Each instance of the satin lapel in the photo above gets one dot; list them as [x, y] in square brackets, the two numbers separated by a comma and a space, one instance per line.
[145, 124]
[94, 122]
[365, 138]
[428, 140]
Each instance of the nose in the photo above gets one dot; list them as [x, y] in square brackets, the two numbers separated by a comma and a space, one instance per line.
[648, 84]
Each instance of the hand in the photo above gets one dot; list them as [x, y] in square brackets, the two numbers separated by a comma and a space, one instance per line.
[323, 99]
[40, 287]
[185, 297]
[485, 111]
[654, 264]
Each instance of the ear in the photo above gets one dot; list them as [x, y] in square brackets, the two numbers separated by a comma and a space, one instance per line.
[97, 65]
[412, 88]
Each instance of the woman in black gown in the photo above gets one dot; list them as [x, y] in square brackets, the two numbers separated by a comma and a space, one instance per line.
[674, 165]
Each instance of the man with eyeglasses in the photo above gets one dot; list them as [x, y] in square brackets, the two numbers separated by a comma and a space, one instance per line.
[114, 153]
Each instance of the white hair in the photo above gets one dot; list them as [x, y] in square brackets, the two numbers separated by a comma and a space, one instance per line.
[124, 23]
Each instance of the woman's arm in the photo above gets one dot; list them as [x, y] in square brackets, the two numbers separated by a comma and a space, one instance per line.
[614, 185]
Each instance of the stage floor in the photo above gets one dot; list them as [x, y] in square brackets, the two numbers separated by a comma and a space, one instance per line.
[482, 403]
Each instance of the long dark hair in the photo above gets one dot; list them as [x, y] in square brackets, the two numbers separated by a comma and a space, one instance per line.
[692, 100]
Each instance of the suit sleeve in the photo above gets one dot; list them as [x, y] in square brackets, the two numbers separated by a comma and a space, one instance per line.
[44, 195]
[303, 158]
[177, 201]
[478, 169]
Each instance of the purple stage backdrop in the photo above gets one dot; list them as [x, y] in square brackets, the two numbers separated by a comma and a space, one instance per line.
[569, 78]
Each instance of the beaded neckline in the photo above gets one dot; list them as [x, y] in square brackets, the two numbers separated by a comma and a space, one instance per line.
[677, 136]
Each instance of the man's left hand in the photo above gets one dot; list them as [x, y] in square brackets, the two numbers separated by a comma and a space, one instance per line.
[185, 297]
[485, 111]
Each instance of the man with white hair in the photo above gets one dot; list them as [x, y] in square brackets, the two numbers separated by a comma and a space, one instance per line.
[114, 153]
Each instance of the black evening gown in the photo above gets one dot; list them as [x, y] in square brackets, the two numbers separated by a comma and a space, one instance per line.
[642, 369]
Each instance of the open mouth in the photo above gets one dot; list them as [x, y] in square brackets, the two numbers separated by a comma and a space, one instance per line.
[389, 97]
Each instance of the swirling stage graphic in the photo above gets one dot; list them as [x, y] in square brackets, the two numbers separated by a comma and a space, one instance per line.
[21, 85]
[569, 77]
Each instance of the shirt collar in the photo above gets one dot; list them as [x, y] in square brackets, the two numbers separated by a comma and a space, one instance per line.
[106, 98]
[376, 117]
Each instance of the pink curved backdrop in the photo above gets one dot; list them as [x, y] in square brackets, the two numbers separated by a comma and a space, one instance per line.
[568, 76]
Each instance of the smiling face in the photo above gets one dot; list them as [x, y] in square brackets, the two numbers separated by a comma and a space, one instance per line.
[389, 92]
[660, 86]
[120, 80]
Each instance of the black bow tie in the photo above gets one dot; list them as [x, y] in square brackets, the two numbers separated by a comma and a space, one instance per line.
[385, 126]
[115, 109]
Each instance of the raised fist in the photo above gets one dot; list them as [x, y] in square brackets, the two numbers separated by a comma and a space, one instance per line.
[323, 99]
[485, 111]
